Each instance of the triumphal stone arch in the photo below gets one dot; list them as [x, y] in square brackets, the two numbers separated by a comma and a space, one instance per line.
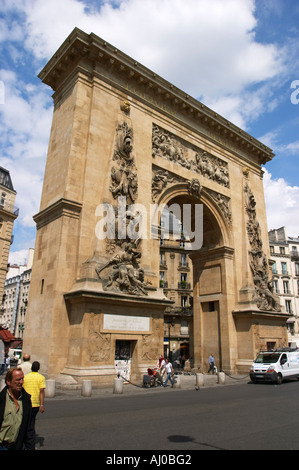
[125, 143]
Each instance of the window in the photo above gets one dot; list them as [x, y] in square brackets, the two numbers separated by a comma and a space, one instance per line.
[184, 301]
[297, 269]
[282, 250]
[274, 270]
[162, 259]
[289, 306]
[275, 286]
[271, 249]
[286, 287]
[183, 260]
[2, 200]
[284, 268]
[183, 277]
[184, 327]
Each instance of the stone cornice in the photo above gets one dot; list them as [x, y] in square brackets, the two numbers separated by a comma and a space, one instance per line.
[63, 207]
[91, 55]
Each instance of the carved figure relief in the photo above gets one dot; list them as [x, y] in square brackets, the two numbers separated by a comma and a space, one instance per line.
[161, 180]
[168, 146]
[99, 344]
[264, 297]
[124, 174]
[223, 203]
[147, 348]
[122, 271]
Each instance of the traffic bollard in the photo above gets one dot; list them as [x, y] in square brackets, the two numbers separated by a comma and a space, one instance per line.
[118, 386]
[221, 378]
[200, 380]
[50, 391]
[176, 382]
[86, 388]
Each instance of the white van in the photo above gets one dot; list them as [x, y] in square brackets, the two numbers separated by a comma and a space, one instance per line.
[275, 366]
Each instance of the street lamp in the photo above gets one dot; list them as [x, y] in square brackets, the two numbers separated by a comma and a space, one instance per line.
[170, 323]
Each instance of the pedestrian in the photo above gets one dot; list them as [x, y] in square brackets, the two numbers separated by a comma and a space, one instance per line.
[26, 364]
[2, 358]
[161, 365]
[16, 432]
[212, 364]
[35, 384]
[169, 372]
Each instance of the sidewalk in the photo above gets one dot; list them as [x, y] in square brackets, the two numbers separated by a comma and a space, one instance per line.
[188, 382]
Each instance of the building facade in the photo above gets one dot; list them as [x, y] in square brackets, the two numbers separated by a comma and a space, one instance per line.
[15, 298]
[284, 252]
[8, 214]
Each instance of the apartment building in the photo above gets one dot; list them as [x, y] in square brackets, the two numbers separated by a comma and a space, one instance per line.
[15, 297]
[176, 279]
[284, 255]
[8, 214]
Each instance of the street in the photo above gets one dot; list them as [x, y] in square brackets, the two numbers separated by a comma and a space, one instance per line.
[246, 416]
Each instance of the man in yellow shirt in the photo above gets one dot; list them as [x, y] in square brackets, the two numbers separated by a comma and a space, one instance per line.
[35, 384]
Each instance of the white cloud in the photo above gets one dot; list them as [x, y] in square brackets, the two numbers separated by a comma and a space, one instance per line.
[24, 133]
[18, 257]
[205, 47]
[282, 202]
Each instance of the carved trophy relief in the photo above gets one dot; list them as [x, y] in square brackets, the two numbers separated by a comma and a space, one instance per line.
[263, 297]
[124, 173]
[122, 272]
[168, 146]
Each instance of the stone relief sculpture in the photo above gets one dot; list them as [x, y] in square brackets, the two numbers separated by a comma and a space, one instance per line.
[161, 180]
[124, 175]
[147, 352]
[168, 146]
[122, 271]
[263, 297]
[194, 187]
[99, 344]
[223, 203]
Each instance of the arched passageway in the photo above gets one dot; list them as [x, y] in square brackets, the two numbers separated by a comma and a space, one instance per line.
[204, 237]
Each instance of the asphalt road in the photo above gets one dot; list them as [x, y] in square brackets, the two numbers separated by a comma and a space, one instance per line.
[247, 416]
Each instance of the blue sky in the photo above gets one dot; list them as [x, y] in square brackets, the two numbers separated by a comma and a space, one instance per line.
[239, 57]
